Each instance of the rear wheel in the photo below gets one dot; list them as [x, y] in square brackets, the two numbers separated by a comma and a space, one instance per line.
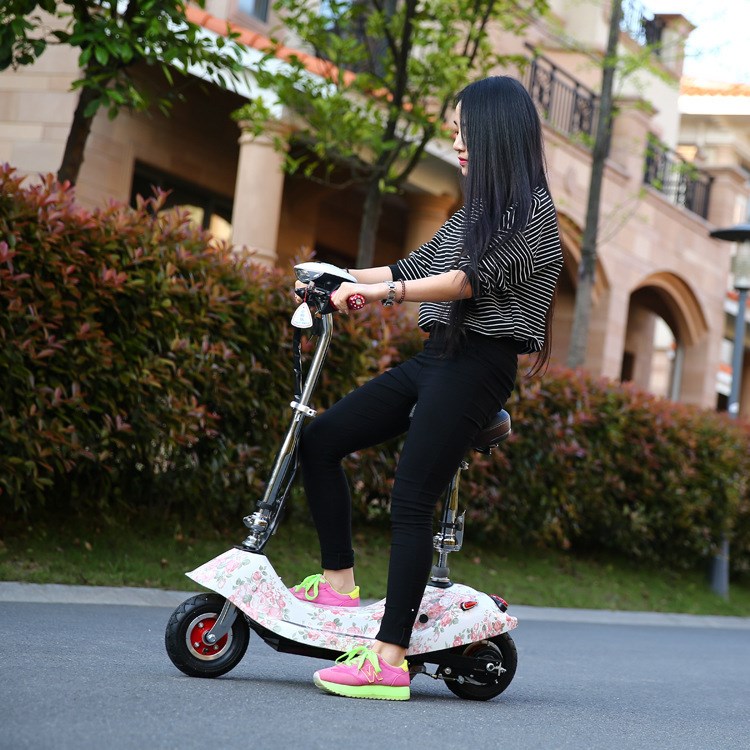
[184, 638]
[485, 685]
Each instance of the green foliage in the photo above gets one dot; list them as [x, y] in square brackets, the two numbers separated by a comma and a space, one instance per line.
[141, 365]
[594, 465]
[384, 76]
[372, 84]
[112, 37]
[144, 368]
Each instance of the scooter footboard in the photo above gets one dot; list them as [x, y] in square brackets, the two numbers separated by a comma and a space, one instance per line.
[447, 617]
[457, 616]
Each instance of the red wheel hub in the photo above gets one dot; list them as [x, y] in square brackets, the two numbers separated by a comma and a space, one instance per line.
[197, 633]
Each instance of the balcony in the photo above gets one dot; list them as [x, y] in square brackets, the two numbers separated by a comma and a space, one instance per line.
[680, 181]
[563, 102]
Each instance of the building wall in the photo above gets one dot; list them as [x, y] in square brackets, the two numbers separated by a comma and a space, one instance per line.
[36, 109]
[715, 134]
[654, 257]
[575, 37]
[197, 142]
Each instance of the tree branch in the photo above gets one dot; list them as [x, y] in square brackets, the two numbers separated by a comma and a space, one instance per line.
[390, 41]
[402, 66]
[427, 136]
[81, 10]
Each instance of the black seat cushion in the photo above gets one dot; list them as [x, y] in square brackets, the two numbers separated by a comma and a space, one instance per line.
[494, 433]
[497, 430]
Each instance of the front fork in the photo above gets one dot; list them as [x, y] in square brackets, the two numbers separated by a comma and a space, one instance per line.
[222, 625]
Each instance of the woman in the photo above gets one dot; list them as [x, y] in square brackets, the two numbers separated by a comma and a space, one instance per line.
[486, 282]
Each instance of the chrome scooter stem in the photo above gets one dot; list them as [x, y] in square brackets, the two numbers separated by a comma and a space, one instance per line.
[262, 523]
[450, 537]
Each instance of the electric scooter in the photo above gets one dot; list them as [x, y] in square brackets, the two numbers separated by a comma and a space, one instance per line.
[461, 636]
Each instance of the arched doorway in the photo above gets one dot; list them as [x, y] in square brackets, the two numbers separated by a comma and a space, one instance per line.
[665, 339]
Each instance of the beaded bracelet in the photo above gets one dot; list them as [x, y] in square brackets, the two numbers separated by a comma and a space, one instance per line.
[403, 292]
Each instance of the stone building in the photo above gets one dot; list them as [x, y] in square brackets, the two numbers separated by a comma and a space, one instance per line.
[715, 133]
[659, 314]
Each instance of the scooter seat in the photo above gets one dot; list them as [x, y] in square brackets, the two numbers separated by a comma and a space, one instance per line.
[494, 433]
[490, 436]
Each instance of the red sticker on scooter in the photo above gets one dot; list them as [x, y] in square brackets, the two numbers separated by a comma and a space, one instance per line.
[468, 605]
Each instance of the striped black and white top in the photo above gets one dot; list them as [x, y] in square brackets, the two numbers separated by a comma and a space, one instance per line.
[515, 282]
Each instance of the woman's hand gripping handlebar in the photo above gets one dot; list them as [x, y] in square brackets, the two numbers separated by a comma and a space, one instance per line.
[327, 302]
[349, 296]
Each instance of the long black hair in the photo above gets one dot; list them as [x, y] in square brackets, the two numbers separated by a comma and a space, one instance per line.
[503, 136]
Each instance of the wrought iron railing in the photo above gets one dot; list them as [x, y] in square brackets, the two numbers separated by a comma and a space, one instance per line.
[563, 102]
[679, 180]
[642, 26]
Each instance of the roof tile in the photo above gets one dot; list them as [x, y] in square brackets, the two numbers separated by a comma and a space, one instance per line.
[698, 87]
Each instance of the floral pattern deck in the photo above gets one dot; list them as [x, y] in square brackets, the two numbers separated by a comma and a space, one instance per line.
[249, 581]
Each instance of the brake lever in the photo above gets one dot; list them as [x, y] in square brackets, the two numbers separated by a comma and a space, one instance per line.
[319, 300]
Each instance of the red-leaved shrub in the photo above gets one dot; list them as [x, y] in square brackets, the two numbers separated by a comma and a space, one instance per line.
[142, 366]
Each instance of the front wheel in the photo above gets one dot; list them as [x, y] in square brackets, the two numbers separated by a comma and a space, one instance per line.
[184, 638]
[499, 649]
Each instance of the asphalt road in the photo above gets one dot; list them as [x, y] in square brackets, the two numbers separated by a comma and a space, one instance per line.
[78, 676]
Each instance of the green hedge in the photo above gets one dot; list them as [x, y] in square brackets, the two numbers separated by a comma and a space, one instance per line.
[596, 465]
[144, 368]
[139, 364]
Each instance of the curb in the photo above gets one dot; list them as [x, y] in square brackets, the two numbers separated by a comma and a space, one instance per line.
[53, 593]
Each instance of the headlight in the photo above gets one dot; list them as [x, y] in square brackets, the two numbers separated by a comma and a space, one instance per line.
[312, 271]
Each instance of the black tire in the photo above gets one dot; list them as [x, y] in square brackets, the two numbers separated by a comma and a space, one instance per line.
[500, 648]
[193, 618]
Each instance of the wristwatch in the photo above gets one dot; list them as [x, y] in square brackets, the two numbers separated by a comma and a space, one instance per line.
[388, 301]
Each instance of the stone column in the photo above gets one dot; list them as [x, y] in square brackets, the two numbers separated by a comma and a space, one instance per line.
[728, 197]
[639, 341]
[607, 331]
[675, 31]
[630, 129]
[258, 193]
[427, 213]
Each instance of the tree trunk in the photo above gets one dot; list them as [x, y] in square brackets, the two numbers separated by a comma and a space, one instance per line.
[77, 137]
[587, 270]
[368, 228]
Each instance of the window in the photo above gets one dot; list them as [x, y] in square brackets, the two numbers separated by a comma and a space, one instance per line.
[207, 209]
[255, 8]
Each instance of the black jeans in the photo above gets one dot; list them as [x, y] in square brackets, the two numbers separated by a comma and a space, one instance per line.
[455, 398]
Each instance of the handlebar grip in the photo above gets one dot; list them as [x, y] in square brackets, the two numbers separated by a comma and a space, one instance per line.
[355, 301]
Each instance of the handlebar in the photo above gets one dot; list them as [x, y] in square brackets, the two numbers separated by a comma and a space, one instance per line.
[355, 301]
[320, 299]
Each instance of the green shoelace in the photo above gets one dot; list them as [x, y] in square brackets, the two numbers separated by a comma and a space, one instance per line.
[358, 656]
[311, 582]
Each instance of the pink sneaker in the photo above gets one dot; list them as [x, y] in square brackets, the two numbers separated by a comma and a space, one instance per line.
[361, 673]
[316, 590]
